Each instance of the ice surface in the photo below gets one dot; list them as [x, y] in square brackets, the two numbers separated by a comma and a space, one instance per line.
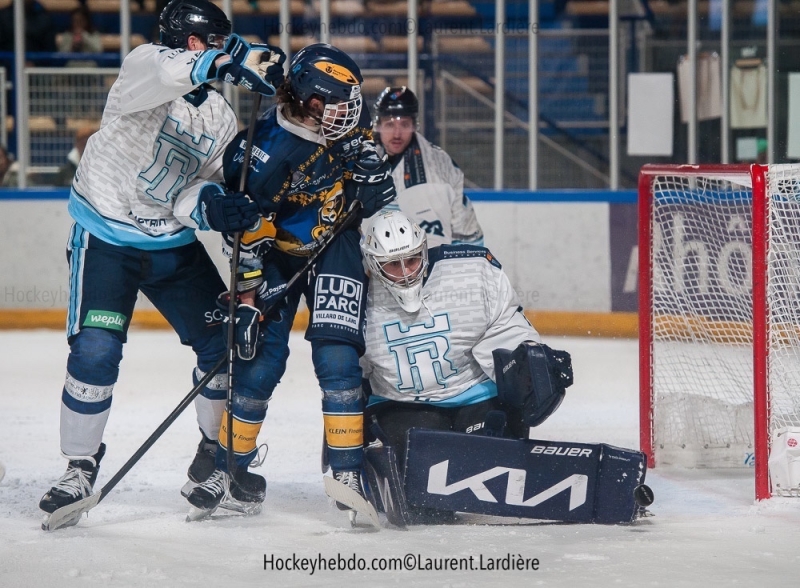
[707, 530]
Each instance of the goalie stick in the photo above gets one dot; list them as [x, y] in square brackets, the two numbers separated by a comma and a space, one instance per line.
[349, 497]
[66, 514]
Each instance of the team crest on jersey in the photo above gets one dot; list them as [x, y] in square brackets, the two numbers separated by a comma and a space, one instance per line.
[330, 211]
[178, 156]
[422, 354]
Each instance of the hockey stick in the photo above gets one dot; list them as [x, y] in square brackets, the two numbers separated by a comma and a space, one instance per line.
[231, 344]
[67, 514]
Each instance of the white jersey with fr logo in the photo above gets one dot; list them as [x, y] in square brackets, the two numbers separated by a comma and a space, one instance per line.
[430, 191]
[162, 136]
[443, 352]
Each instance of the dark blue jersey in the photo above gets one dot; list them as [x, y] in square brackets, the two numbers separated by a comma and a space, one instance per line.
[297, 181]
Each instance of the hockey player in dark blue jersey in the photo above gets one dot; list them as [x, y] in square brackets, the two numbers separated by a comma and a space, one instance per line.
[312, 156]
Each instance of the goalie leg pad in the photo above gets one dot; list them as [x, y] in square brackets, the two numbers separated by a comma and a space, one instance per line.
[531, 381]
[552, 480]
[385, 484]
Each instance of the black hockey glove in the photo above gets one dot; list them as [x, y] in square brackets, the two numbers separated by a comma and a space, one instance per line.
[257, 67]
[370, 182]
[531, 382]
[226, 212]
[247, 319]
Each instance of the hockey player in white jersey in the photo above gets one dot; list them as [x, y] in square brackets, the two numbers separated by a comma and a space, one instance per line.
[434, 317]
[434, 320]
[145, 183]
[430, 186]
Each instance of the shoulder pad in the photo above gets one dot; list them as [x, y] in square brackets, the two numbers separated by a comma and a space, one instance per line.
[445, 252]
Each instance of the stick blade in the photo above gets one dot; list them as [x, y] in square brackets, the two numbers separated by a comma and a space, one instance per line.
[341, 493]
[69, 514]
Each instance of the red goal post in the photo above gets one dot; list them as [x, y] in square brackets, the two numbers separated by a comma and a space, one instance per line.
[719, 313]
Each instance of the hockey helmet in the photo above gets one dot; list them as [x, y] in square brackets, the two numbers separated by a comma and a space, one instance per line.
[328, 73]
[396, 101]
[396, 252]
[182, 18]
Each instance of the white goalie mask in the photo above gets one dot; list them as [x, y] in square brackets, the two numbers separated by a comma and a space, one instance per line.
[396, 252]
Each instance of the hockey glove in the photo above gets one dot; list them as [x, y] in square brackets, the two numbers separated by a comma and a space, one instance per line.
[370, 182]
[247, 319]
[256, 67]
[226, 212]
[531, 381]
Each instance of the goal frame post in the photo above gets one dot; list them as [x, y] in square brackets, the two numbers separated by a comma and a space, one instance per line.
[757, 175]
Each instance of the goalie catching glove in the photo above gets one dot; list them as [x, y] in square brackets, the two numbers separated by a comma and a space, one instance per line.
[370, 182]
[246, 329]
[224, 211]
[257, 67]
[531, 382]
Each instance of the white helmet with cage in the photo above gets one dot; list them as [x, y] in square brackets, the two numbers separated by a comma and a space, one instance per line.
[396, 253]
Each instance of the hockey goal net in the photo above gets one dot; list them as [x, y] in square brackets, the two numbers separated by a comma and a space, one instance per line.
[719, 313]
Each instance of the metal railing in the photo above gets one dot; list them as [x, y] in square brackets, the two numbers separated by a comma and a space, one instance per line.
[63, 100]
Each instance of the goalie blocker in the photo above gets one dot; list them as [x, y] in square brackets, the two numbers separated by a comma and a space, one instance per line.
[531, 383]
[550, 480]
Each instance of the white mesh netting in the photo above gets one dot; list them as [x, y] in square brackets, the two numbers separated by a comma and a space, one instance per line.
[702, 320]
[783, 295]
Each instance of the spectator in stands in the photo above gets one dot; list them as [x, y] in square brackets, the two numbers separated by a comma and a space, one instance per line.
[67, 171]
[81, 37]
[430, 186]
[40, 34]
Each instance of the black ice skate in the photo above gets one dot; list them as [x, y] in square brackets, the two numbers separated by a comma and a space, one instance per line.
[76, 484]
[202, 465]
[243, 495]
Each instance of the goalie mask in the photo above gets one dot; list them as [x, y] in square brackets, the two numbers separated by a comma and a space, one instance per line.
[182, 18]
[328, 73]
[396, 253]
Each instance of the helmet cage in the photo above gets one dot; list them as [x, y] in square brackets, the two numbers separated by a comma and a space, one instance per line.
[339, 118]
[393, 238]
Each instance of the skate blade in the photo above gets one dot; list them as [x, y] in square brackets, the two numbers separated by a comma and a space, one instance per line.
[245, 508]
[67, 522]
[352, 516]
[199, 514]
[69, 515]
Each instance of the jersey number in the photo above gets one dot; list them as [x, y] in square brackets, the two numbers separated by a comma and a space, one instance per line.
[178, 157]
[432, 227]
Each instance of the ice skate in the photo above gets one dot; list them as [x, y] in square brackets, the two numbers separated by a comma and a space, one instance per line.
[244, 495]
[202, 465]
[76, 484]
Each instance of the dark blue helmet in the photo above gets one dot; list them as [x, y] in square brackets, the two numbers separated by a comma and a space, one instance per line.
[329, 73]
[397, 101]
[182, 18]
[326, 71]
